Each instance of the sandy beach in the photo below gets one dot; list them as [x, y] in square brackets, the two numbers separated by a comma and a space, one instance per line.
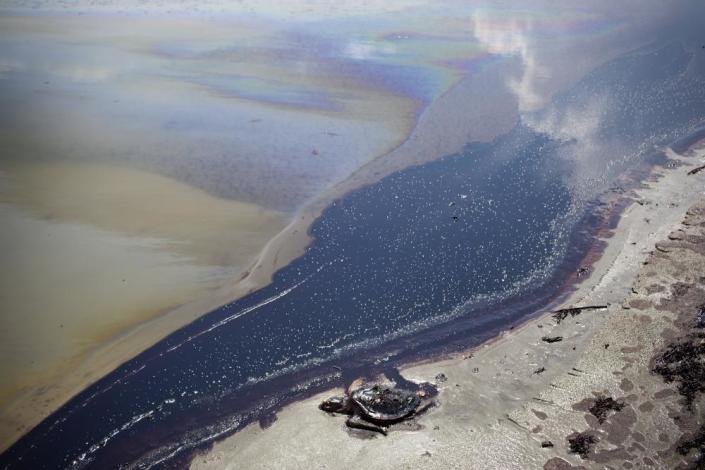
[502, 400]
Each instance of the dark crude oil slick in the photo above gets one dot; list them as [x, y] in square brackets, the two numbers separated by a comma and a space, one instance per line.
[431, 259]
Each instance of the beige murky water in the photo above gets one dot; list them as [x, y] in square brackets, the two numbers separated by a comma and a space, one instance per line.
[91, 250]
[145, 161]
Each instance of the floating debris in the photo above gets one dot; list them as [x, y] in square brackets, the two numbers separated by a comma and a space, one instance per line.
[546, 444]
[440, 378]
[540, 370]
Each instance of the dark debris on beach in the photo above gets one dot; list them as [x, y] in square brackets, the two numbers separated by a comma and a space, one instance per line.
[697, 170]
[684, 363]
[581, 443]
[552, 339]
[603, 405]
[700, 317]
[562, 314]
[697, 443]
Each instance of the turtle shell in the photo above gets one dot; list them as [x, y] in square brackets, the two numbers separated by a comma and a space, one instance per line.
[385, 404]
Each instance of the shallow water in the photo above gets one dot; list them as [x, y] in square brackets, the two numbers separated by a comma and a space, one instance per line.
[91, 251]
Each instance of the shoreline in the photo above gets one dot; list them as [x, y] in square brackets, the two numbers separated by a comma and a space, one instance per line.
[505, 397]
[475, 102]
[416, 149]
[24, 413]
[158, 265]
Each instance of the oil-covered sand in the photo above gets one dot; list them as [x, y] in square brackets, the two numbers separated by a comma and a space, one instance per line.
[498, 407]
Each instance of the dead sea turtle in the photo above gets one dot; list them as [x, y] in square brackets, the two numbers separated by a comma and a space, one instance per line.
[374, 408]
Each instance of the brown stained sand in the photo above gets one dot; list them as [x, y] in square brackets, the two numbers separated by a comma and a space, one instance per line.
[67, 320]
[494, 412]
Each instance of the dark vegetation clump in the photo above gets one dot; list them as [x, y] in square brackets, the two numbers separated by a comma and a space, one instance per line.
[581, 443]
[552, 339]
[562, 314]
[684, 364]
[698, 443]
[700, 317]
[603, 405]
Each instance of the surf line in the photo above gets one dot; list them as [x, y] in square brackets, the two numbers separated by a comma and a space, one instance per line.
[247, 310]
[85, 458]
[191, 338]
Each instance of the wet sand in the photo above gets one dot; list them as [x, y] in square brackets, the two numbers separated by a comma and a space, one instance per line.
[495, 411]
[171, 248]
